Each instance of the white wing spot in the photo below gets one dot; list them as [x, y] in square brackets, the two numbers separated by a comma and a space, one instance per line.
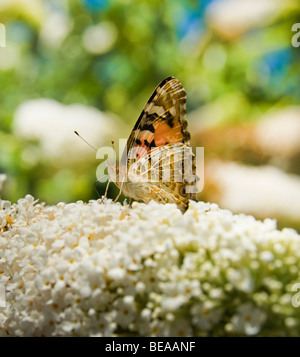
[159, 110]
[173, 111]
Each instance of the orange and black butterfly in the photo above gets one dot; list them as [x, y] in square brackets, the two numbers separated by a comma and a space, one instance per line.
[153, 163]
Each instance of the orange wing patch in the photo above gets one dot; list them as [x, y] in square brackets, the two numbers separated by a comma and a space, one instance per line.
[164, 134]
[162, 120]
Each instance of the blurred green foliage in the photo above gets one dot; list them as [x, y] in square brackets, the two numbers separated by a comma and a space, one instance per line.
[149, 40]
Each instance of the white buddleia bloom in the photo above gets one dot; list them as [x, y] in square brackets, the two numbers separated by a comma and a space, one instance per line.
[52, 124]
[103, 269]
[231, 18]
[248, 319]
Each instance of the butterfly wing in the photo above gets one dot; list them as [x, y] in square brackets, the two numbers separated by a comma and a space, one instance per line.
[161, 125]
[161, 122]
[166, 175]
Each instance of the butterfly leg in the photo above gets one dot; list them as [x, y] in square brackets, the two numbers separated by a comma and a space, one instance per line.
[119, 194]
[105, 193]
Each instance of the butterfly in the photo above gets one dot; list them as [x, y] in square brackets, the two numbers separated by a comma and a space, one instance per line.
[153, 165]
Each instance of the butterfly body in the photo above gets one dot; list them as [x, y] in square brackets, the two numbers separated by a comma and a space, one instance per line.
[158, 163]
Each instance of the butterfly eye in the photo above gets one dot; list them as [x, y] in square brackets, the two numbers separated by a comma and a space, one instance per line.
[182, 191]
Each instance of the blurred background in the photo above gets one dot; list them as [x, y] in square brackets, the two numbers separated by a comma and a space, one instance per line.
[91, 65]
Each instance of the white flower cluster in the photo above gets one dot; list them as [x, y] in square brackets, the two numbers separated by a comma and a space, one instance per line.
[232, 18]
[277, 133]
[278, 191]
[52, 124]
[103, 269]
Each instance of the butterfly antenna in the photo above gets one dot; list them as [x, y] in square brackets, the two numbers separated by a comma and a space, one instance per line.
[85, 140]
[95, 188]
[113, 144]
